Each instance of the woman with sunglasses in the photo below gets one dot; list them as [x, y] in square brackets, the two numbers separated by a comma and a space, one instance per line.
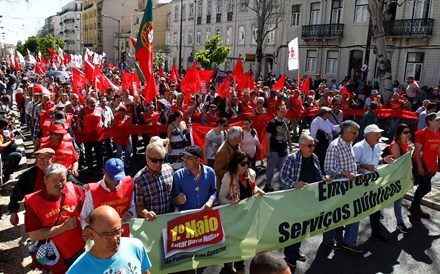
[250, 141]
[400, 145]
[260, 109]
[238, 184]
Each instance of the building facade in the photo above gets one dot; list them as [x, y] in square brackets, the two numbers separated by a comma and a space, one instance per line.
[70, 22]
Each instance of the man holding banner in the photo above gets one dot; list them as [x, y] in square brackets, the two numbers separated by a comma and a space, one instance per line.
[340, 163]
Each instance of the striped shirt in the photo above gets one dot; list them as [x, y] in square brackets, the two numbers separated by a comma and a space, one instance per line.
[340, 157]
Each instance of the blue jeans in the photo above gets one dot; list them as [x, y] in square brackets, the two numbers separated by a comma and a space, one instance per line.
[275, 161]
[350, 235]
[98, 147]
[291, 252]
[398, 210]
[128, 150]
[12, 160]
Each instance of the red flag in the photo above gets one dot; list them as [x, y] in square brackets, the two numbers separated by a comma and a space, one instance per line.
[40, 68]
[345, 91]
[136, 84]
[17, 65]
[243, 83]
[127, 78]
[144, 44]
[205, 77]
[89, 70]
[174, 74]
[37, 88]
[67, 59]
[77, 80]
[280, 83]
[238, 73]
[53, 53]
[251, 81]
[109, 65]
[150, 92]
[133, 41]
[306, 86]
[161, 73]
[191, 82]
[224, 88]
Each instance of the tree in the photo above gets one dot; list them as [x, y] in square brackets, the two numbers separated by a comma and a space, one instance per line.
[42, 44]
[377, 12]
[213, 54]
[159, 60]
[270, 13]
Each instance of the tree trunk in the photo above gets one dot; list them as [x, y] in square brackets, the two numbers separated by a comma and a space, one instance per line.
[375, 7]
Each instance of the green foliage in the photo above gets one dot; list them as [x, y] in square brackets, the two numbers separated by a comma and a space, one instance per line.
[42, 44]
[159, 60]
[213, 54]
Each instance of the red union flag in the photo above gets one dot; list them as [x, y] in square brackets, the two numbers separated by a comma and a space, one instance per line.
[293, 61]
[193, 232]
[144, 43]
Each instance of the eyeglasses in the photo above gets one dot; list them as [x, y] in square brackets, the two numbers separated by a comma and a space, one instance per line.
[309, 145]
[155, 161]
[44, 158]
[225, 125]
[245, 163]
[260, 103]
[355, 133]
[406, 131]
[188, 158]
[110, 235]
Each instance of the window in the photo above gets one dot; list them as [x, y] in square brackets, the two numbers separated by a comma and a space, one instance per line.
[254, 35]
[315, 13]
[311, 61]
[230, 6]
[175, 38]
[167, 38]
[208, 34]
[336, 11]
[331, 66]
[176, 13]
[421, 9]
[241, 35]
[184, 12]
[199, 9]
[191, 11]
[137, 20]
[295, 15]
[361, 11]
[190, 37]
[270, 38]
[244, 5]
[414, 65]
[209, 8]
[198, 38]
[219, 6]
[228, 35]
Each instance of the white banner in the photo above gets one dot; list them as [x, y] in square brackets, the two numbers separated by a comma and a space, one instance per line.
[293, 62]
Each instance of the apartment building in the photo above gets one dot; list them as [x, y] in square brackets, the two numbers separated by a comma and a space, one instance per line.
[70, 27]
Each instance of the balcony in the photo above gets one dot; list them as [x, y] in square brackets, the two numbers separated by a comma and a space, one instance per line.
[218, 18]
[409, 27]
[69, 20]
[199, 20]
[324, 31]
[208, 19]
[230, 14]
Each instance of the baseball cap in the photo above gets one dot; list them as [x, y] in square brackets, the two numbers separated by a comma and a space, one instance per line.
[193, 151]
[45, 150]
[115, 169]
[432, 116]
[121, 106]
[372, 128]
[60, 105]
[374, 91]
[50, 106]
[58, 129]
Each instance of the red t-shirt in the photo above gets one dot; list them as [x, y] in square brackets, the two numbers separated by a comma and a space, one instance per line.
[430, 142]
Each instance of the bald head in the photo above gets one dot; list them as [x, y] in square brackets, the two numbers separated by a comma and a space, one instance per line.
[104, 215]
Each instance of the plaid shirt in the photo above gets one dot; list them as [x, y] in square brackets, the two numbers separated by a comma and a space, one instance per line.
[291, 169]
[154, 189]
[340, 157]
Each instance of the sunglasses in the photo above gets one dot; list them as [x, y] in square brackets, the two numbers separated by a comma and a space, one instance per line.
[155, 161]
[260, 103]
[225, 125]
[406, 131]
[309, 145]
[246, 163]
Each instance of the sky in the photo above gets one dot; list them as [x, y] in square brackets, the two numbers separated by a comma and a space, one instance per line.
[23, 18]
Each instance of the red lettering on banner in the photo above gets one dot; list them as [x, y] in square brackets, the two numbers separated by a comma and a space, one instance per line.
[193, 232]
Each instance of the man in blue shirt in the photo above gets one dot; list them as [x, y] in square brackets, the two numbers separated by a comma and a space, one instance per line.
[110, 252]
[194, 185]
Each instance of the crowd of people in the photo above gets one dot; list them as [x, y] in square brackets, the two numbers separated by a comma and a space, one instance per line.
[180, 174]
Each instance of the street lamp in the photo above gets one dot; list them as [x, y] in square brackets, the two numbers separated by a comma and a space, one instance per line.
[181, 35]
[119, 34]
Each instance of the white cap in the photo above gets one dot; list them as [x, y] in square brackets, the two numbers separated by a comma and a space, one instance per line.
[372, 128]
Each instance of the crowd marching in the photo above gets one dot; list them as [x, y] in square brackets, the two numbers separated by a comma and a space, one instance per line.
[201, 149]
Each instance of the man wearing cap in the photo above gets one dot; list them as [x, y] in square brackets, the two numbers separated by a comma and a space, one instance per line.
[110, 252]
[115, 190]
[163, 86]
[153, 184]
[367, 153]
[194, 184]
[426, 153]
[61, 142]
[32, 180]
[374, 97]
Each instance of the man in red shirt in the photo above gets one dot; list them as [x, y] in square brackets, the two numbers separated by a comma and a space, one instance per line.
[426, 153]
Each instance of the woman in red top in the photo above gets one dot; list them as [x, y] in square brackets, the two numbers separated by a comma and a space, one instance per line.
[400, 145]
